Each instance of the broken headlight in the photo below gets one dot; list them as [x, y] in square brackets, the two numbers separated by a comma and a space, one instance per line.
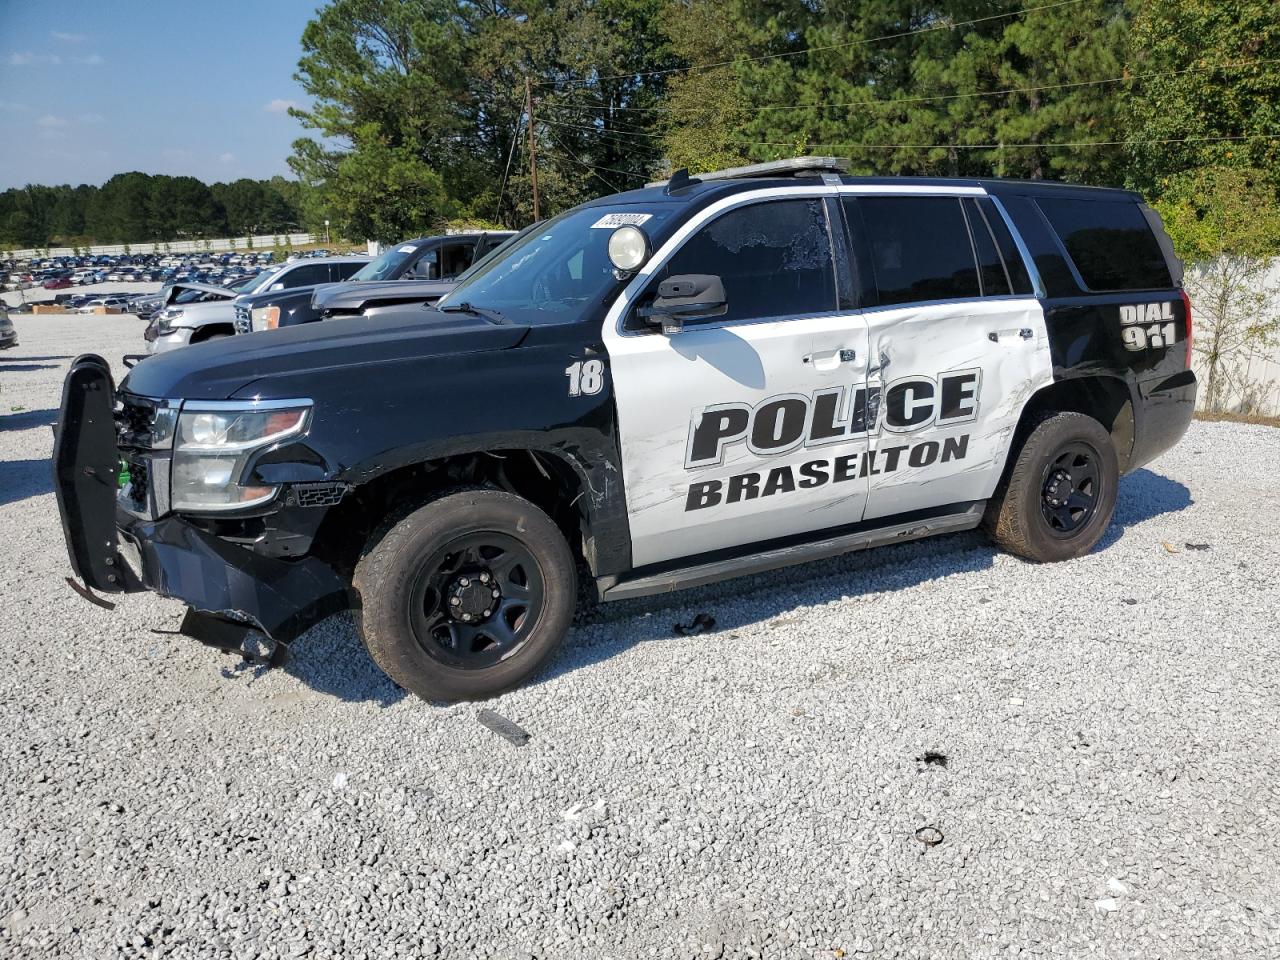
[165, 320]
[214, 443]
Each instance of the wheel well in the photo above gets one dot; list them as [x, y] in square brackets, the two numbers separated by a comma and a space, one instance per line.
[201, 334]
[1106, 399]
[543, 479]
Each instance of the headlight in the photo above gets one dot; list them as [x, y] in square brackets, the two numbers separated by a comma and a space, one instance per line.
[165, 320]
[266, 318]
[215, 442]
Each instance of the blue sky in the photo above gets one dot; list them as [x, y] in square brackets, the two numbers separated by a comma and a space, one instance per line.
[91, 88]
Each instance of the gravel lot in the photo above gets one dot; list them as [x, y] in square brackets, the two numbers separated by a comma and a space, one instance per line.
[1108, 725]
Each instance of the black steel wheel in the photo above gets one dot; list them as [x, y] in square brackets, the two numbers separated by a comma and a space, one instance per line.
[1059, 493]
[465, 597]
[476, 600]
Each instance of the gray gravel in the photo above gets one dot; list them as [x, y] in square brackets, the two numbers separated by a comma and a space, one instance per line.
[1109, 726]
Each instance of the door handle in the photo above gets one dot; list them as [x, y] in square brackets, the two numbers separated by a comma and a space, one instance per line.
[830, 359]
[1026, 333]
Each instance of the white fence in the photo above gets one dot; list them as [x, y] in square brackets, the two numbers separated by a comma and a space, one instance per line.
[264, 242]
[1254, 384]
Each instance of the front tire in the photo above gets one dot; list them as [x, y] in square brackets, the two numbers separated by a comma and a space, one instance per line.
[465, 597]
[1058, 499]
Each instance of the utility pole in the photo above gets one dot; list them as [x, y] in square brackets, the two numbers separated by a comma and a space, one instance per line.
[533, 147]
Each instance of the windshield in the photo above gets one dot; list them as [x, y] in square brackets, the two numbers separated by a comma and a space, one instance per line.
[550, 274]
[242, 285]
[264, 280]
[386, 265]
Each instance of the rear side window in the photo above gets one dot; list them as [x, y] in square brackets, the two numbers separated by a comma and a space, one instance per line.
[920, 248]
[773, 257]
[991, 272]
[1019, 279]
[341, 271]
[1110, 243]
[306, 276]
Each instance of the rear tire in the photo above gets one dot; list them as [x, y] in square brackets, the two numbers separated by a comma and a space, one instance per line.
[1058, 498]
[465, 597]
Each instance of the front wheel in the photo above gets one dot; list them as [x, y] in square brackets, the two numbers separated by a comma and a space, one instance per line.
[466, 596]
[1059, 497]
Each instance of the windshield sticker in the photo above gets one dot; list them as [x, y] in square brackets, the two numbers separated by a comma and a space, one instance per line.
[405, 250]
[610, 220]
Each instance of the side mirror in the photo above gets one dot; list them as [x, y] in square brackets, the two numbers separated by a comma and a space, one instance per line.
[692, 296]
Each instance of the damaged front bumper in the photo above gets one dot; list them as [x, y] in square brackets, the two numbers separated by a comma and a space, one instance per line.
[230, 588]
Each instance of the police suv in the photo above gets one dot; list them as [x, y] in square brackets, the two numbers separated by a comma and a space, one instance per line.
[708, 377]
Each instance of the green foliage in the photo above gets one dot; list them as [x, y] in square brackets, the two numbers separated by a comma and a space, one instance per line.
[1204, 73]
[139, 207]
[1221, 211]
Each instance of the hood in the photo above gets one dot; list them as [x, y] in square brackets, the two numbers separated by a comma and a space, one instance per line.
[219, 369]
[177, 288]
[351, 296]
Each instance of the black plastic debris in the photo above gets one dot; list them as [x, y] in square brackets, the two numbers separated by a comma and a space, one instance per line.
[503, 727]
[1129, 601]
[1197, 546]
[701, 623]
[933, 758]
[930, 836]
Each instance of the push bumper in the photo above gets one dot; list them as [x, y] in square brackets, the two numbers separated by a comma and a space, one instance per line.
[113, 551]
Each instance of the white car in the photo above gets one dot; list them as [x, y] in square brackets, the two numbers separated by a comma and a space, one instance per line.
[196, 312]
[112, 301]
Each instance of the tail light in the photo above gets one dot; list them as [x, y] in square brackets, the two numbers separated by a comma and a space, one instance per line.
[1186, 310]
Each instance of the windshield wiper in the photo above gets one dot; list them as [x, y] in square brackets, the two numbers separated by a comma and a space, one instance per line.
[466, 307]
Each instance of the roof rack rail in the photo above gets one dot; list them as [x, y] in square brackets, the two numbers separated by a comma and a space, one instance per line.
[795, 167]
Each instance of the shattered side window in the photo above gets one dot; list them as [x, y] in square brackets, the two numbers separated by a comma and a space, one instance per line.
[773, 257]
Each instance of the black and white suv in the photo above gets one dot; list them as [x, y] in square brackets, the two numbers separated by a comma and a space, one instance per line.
[704, 378]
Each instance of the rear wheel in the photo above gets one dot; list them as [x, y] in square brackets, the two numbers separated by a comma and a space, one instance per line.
[1060, 494]
[466, 596]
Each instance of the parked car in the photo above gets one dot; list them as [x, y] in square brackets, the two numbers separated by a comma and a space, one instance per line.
[178, 325]
[8, 335]
[435, 261]
[113, 301]
[57, 283]
[704, 378]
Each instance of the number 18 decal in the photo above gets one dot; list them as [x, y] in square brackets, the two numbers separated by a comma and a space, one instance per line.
[585, 377]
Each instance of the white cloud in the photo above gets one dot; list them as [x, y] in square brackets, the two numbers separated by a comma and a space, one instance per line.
[227, 158]
[26, 58]
[49, 120]
[68, 37]
[280, 106]
[91, 118]
[92, 60]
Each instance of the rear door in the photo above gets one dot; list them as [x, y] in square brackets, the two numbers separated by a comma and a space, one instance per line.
[957, 344]
[748, 427]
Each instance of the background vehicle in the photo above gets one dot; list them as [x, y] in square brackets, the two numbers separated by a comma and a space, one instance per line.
[433, 263]
[8, 335]
[213, 317]
[668, 387]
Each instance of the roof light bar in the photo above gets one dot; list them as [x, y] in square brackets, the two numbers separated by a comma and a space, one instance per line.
[795, 167]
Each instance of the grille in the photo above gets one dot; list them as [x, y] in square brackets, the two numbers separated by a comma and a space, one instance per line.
[244, 322]
[135, 422]
[139, 481]
[319, 494]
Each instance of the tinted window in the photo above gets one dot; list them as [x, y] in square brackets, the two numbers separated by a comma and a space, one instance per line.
[306, 276]
[920, 248]
[1110, 243]
[454, 258]
[774, 259]
[991, 272]
[342, 271]
[1016, 269]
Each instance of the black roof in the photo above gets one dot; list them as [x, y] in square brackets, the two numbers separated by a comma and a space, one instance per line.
[703, 190]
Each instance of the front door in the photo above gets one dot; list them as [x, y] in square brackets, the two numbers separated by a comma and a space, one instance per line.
[750, 426]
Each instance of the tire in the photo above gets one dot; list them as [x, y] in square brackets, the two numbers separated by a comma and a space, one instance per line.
[418, 578]
[1037, 514]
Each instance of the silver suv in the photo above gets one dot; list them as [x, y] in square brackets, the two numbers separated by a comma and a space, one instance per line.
[209, 316]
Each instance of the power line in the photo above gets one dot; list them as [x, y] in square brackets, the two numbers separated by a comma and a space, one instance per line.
[960, 96]
[582, 163]
[515, 138]
[945, 146]
[945, 25]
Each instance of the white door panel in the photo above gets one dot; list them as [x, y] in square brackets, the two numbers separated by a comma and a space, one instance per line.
[938, 364]
[743, 372]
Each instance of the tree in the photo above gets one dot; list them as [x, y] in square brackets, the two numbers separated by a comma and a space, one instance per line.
[1225, 223]
[1202, 71]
